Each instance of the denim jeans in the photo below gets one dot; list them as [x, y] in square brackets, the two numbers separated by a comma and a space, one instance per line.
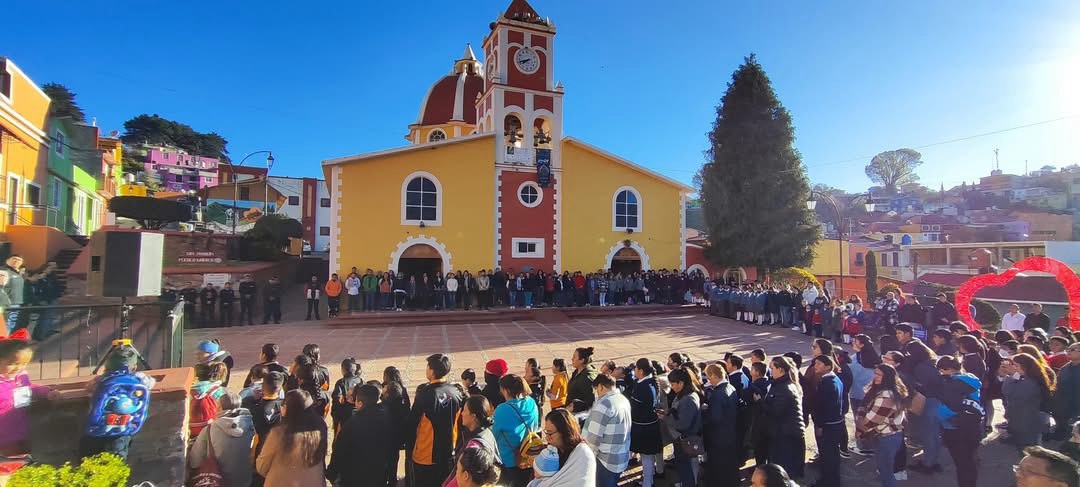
[928, 429]
[603, 298]
[13, 320]
[605, 477]
[451, 299]
[685, 466]
[528, 299]
[370, 297]
[885, 457]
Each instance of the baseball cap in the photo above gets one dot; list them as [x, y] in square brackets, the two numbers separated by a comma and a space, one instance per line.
[207, 346]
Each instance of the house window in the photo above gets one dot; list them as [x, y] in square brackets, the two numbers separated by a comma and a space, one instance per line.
[5, 84]
[858, 258]
[627, 210]
[324, 202]
[193, 179]
[896, 259]
[436, 135]
[33, 194]
[245, 194]
[421, 202]
[884, 260]
[54, 192]
[527, 248]
[530, 194]
[324, 231]
[207, 180]
[294, 201]
[58, 143]
[179, 178]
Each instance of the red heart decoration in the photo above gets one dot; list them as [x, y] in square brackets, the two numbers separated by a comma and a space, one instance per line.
[1061, 272]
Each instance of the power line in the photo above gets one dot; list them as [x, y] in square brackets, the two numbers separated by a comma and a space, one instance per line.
[959, 139]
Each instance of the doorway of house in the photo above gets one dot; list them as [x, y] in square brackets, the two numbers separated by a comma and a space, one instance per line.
[626, 261]
[418, 260]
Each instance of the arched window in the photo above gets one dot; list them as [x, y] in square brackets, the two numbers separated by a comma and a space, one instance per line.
[421, 200]
[436, 135]
[627, 210]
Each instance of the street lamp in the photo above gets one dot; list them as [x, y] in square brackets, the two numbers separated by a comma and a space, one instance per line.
[811, 204]
[266, 182]
[236, 182]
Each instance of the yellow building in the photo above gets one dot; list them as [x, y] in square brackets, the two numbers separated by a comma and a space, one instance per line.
[24, 144]
[490, 181]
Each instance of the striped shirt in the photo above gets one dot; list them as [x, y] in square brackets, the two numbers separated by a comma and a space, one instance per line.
[607, 431]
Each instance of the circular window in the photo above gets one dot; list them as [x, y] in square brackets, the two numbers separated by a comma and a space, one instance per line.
[530, 194]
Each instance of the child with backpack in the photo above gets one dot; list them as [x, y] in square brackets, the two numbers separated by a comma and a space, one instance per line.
[342, 406]
[119, 405]
[204, 396]
[16, 393]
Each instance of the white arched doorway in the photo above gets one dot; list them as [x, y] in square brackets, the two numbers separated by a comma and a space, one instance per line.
[699, 268]
[736, 273]
[420, 255]
[627, 255]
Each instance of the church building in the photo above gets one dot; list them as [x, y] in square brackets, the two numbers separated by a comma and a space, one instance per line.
[489, 180]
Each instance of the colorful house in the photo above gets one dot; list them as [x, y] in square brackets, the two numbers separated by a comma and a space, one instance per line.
[24, 146]
[177, 170]
[74, 205]
[490, 180]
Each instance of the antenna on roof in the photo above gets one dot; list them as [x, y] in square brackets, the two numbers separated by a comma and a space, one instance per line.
[997, 163]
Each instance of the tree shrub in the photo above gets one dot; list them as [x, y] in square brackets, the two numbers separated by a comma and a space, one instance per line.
[101, 470]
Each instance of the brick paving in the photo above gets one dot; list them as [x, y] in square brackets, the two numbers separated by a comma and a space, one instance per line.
[622, 339]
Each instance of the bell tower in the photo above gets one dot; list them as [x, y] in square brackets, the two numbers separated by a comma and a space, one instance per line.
[520, 100]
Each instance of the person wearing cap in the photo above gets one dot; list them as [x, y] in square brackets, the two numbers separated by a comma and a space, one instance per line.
[1014, 319]
[545, 465]
[247, 290]
[493, 371]
[943, 312]
[208, 351]
[124, 358]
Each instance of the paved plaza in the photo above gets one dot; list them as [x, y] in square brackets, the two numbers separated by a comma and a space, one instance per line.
[623, 339]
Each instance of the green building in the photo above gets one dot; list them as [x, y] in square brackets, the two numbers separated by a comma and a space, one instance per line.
[74, 202]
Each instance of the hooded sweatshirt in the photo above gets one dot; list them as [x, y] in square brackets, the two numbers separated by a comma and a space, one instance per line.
[231, 434]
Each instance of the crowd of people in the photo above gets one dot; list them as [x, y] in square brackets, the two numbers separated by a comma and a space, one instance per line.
[212, 306]
[25, 296]
[580, 422]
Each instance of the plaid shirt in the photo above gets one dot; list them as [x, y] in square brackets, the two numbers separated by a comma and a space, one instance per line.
[884, 416]
[607, 431]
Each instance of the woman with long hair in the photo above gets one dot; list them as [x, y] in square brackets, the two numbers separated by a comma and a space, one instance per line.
[295, 451]
[684, 418]
[862, 374]
[782, 408]
[556, 393]
[577, 462]
[514, 420]
[1028, 391]
[881, 418]
[961, 418]
[926, 426]
[771, 475]
[396, 402]
[476, 467]
[820, 346]
[1035, 353]
[475, 431]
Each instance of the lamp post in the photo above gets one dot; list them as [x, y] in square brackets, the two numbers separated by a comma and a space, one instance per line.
[811, 205]
[266, 183]
[236, 182]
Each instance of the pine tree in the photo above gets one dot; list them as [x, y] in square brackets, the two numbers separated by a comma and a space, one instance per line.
[754, 187]
[63, 102]
[871, 274]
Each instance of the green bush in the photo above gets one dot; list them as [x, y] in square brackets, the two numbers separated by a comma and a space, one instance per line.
[102, 470]
[986, 315]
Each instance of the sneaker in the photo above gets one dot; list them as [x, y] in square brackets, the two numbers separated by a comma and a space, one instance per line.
[845, 453]
[862, 452]
[901, 475]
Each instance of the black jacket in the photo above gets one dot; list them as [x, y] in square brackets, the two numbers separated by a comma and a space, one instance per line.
[361, 453]
[720, 419]
[247, 289]
[782, 409]
[828, 406]
[491, 390]
[226, 296]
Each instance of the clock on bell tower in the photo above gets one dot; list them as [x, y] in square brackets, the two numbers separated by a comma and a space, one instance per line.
[520, 99]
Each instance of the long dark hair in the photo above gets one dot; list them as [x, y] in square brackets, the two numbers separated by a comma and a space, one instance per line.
[683, 377]
[568, 429]
[788, 366]
[825, 346]
[775, 475]
[970, 344]
[392, 374]
[918, 352]
[890, 381]
[304, 430]
[479, 406]
[867, 357]
[1036, 373]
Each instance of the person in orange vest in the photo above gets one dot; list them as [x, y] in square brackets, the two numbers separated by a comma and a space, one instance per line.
[333, 295]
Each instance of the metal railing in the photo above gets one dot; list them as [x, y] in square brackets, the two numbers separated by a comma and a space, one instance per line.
[75, 338]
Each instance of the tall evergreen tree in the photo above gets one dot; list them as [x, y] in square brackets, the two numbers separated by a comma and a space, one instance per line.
[754, 188]
[871, 275]
[63, 102]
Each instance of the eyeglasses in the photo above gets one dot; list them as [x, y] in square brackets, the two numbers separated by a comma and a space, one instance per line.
[550, 433]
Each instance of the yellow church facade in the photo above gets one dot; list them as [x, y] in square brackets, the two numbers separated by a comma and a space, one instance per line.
[489, 180]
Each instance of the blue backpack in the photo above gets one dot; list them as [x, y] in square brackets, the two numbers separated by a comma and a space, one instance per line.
[119, 405]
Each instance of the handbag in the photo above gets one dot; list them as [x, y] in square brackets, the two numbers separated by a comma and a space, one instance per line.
[692, 445]
[208, 474]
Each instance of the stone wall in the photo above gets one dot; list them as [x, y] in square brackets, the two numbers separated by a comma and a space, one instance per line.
[158, 453]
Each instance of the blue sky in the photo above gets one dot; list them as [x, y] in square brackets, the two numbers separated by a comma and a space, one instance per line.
[317, 80]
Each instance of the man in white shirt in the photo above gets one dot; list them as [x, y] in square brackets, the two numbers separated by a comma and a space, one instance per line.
[1014, 319]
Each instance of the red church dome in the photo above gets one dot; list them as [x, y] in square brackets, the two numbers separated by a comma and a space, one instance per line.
[453, 98]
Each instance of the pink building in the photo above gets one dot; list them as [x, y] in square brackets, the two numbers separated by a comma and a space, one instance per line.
[180, 171]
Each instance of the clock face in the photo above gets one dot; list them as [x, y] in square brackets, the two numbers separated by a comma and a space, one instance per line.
[527, 61]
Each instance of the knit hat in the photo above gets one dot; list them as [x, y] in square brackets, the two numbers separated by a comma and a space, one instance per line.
[207, 346]
[547, 462]
[497, 367]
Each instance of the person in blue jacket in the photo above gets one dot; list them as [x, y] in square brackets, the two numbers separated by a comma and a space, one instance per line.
[514, 419]
[961, 414]
[828, 413]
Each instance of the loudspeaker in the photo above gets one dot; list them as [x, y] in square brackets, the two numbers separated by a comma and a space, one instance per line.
[125, 264]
